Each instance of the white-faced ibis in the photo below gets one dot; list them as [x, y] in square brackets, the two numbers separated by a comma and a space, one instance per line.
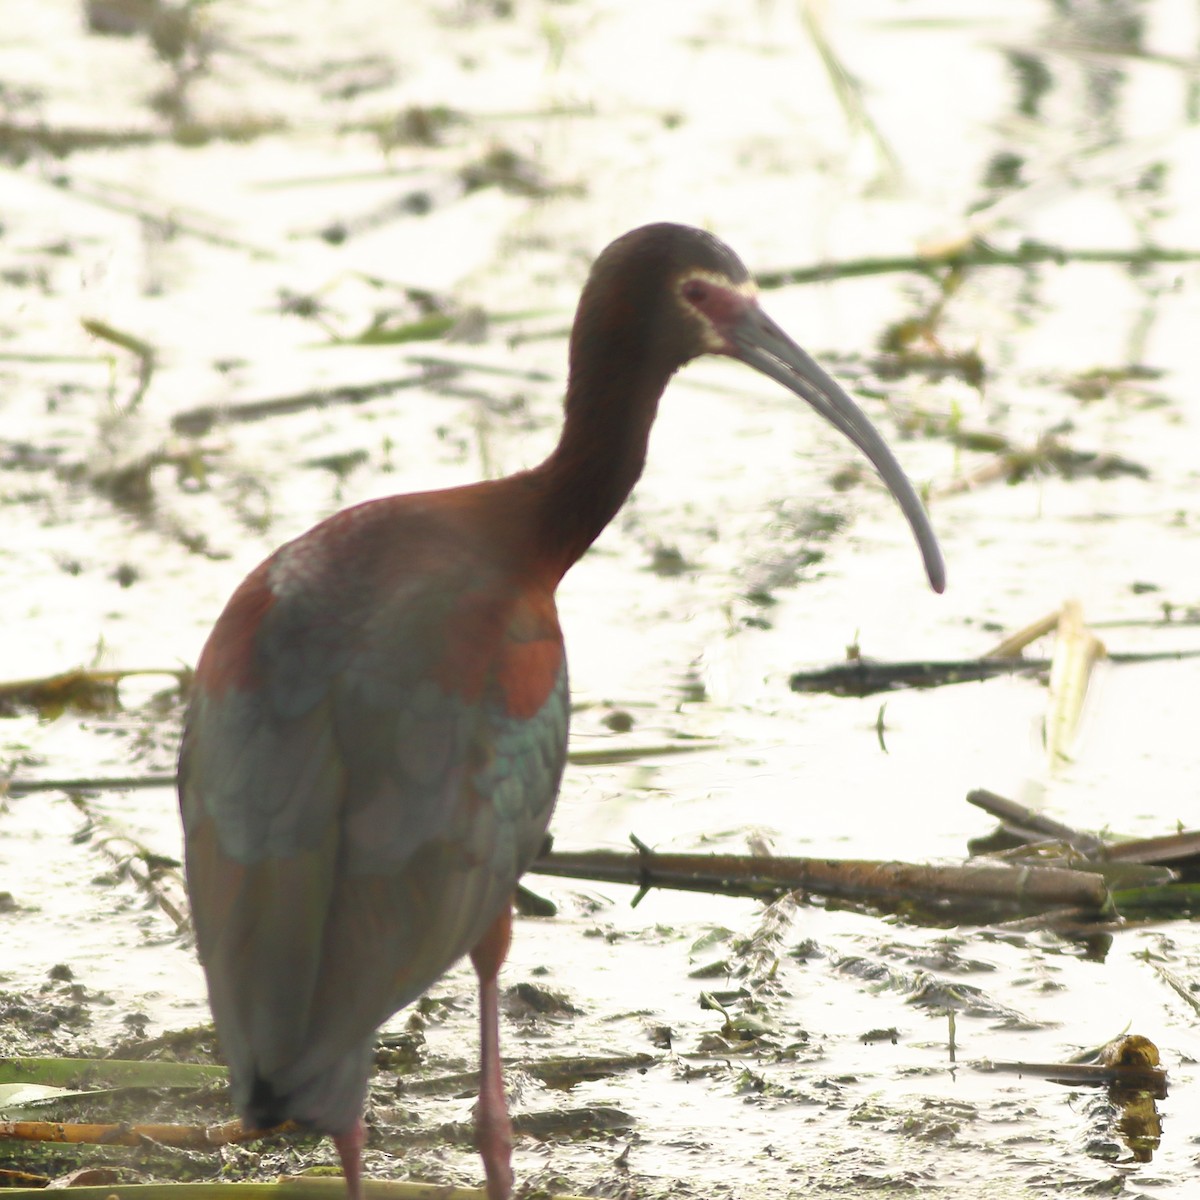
[379, 722]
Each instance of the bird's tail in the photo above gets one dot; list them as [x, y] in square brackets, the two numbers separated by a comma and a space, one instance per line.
[328, 1099]
[265, 1109]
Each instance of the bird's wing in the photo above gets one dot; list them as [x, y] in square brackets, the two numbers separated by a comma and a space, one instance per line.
[361, 784]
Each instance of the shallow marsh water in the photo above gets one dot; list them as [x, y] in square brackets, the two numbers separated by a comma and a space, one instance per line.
[257, 194]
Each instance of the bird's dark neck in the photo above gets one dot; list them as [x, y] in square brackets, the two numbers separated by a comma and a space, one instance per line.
[600, 455]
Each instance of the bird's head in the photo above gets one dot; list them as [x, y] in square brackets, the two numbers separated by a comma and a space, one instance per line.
[664, 294]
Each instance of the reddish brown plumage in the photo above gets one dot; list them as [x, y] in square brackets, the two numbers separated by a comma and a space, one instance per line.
[228, 657]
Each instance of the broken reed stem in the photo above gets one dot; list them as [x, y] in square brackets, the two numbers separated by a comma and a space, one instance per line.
[1013, 814]
[77, 1073]
[976, 253]
[176, 1191]
[1017, 642]
[744, 875]
[196, 421]
[142, 350]
[113, 783]
[1123, 1075]
[49, 689]
[333, 1187]
[1168, 848]
[180, 1136]
[1182, 988]
[287, 1187]
[866, 677]
[1175, 848]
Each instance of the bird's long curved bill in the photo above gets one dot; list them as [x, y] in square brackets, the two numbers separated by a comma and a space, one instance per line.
[761, 344]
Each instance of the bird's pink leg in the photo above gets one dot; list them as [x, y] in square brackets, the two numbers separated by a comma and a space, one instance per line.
[493, 1130]
[349, 1147]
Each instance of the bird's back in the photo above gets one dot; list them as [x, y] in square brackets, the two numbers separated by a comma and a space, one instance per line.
[369, 762]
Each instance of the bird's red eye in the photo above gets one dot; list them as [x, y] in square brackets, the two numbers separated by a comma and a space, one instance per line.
[695, 292]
